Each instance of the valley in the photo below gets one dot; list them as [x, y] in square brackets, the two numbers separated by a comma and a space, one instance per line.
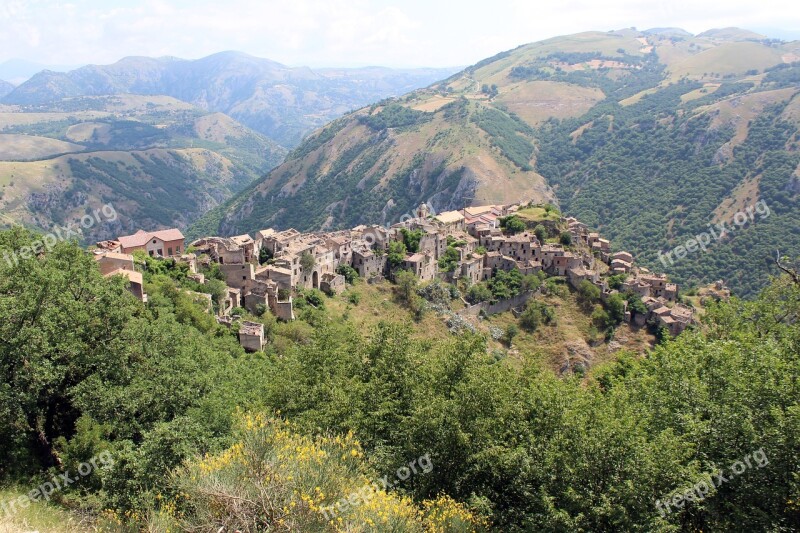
[160, 161]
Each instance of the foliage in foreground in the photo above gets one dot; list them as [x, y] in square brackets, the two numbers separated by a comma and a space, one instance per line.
[273, 478]
[86, 368]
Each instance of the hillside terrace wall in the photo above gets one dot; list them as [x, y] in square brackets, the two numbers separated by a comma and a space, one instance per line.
[497, 307]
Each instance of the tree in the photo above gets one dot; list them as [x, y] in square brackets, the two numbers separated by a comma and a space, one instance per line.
[218, 291]
[307, 261]
[511, 331]
[540, 232]
[616, 281]
[532, 282]
[407, 284]
[397, 253]
[616, 308]
[449, 260]
[411, 239]
[588, 294]
[314, 297]
[600, 318]
[565, 238]
[635, 303]
[512, 224]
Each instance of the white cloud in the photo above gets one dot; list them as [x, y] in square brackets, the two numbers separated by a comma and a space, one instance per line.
[340, 32]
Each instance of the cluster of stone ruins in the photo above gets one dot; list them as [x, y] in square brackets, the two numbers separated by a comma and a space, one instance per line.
[311, 260]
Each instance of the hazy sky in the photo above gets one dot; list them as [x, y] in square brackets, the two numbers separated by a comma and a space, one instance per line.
[347, 32]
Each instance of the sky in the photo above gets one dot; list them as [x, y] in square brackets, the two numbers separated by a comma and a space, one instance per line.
[347, 33]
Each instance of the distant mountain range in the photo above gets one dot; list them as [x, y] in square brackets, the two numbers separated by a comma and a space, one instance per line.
[281, 102]
[5, 88]
[648, 136]
[18, 71]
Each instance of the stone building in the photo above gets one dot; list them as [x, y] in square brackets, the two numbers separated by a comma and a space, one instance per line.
[251, 336]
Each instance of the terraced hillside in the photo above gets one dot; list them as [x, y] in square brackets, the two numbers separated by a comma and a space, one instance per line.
[159, 161]
[649, 136]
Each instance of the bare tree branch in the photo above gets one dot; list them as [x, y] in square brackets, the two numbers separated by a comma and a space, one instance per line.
[790, 271]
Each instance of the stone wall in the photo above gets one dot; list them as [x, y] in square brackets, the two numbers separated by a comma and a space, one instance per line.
[499, 307]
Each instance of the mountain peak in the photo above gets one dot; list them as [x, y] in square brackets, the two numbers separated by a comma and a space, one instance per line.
[732, 34]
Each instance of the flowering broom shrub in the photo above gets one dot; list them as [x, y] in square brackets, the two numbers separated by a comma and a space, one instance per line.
[275, 479]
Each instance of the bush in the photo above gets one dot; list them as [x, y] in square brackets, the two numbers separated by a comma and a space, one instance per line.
[536, 313]
[540, 232]
[437, 293]
[397, 253]
[588, 294]
[353, 297]
[512, 224]
[478, 293]
[406, 286]
[565, 238]
[349, 273]
[307, 481]
[511, 331]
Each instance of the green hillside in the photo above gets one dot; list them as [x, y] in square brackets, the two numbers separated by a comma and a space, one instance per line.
[649, 136]
[159, 161]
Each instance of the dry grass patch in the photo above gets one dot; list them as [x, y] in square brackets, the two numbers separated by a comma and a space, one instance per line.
[743, 195]
[705, 90]
[29, 147]
[727, 58]
[433, 103]
[41, 517]
[537, 101]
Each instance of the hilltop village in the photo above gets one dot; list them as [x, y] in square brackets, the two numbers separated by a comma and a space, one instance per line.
[470, 245]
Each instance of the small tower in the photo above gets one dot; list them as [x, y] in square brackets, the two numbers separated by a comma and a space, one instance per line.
[422, 211]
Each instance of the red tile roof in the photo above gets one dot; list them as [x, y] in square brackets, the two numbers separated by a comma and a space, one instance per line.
[141, 237]
[133, 277]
